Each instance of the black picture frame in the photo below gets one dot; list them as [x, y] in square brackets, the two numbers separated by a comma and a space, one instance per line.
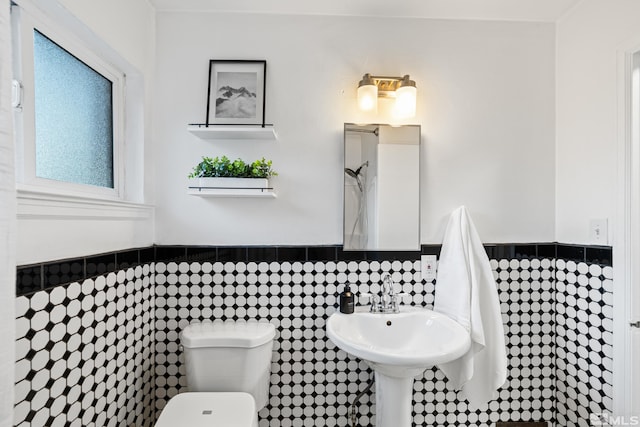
[236, 92]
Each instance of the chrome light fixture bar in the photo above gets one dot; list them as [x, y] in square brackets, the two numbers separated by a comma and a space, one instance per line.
[403, 89]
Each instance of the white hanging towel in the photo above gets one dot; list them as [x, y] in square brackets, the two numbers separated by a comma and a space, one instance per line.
[466, 292]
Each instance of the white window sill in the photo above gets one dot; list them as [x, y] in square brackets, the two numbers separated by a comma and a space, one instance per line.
[34, 204]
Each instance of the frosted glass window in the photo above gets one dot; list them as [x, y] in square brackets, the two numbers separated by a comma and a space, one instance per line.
[73, 118]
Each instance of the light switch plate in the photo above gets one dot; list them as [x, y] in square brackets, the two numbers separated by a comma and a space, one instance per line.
[599, 231]
[428, 267]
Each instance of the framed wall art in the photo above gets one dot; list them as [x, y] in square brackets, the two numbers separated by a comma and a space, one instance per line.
[236, 94]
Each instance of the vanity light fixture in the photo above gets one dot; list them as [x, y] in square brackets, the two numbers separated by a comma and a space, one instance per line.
[403, 89]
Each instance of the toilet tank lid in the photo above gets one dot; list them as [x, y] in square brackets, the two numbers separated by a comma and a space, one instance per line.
[227, 334]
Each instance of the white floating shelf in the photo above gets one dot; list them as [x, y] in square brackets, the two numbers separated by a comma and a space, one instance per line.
[233, 132]
[232, 192]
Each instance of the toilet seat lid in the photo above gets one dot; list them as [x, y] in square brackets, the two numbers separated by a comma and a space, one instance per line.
[204, 409]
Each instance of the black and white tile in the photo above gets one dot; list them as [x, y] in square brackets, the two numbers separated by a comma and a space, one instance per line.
[104, 350]
[312, 381]
[85, 353]
[584, 342]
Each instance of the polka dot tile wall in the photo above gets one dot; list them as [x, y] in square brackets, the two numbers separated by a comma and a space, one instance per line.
[584, 341]
[312, 381]
[85, 353]
[525, 289]
[104, 350]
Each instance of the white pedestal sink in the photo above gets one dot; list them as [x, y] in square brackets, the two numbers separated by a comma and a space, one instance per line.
[398, 347]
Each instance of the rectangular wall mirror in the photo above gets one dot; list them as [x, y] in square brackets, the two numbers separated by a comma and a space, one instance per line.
[381, 187]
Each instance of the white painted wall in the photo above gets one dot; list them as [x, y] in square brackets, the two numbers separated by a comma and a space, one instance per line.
[127, 26]
[62, 229]
[485, 103]
[44, 238]
[587, 42]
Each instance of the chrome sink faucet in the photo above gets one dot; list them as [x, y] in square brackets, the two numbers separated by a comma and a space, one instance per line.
[388, 300]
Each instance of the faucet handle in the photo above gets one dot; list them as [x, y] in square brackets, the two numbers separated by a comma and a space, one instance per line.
[371, 297]
[397, 299]
[375, 301]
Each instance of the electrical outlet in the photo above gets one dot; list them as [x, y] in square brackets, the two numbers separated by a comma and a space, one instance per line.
[599, 231]
[429, 266]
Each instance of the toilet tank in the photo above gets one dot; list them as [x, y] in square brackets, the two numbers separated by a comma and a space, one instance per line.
[229, 356]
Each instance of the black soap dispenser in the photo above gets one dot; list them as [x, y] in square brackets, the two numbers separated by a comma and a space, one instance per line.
[347, 303]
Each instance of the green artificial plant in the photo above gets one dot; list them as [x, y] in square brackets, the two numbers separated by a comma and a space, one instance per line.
[223, 167]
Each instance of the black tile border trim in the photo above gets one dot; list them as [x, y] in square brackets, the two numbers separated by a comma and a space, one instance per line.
[36, 277]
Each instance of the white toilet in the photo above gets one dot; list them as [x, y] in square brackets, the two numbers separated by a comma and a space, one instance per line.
[228, 370]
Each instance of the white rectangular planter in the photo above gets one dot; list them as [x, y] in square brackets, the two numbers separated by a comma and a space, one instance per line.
[231, 187]
[233, 183]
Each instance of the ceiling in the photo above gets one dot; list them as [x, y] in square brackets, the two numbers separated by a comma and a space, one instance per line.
[501, 10]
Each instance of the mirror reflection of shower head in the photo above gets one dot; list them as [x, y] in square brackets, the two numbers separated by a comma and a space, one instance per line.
[363, 165]
[356, 174]
[375, 131]
[351, 173]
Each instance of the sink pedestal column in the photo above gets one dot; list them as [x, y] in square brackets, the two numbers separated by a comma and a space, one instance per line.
[394, 398]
